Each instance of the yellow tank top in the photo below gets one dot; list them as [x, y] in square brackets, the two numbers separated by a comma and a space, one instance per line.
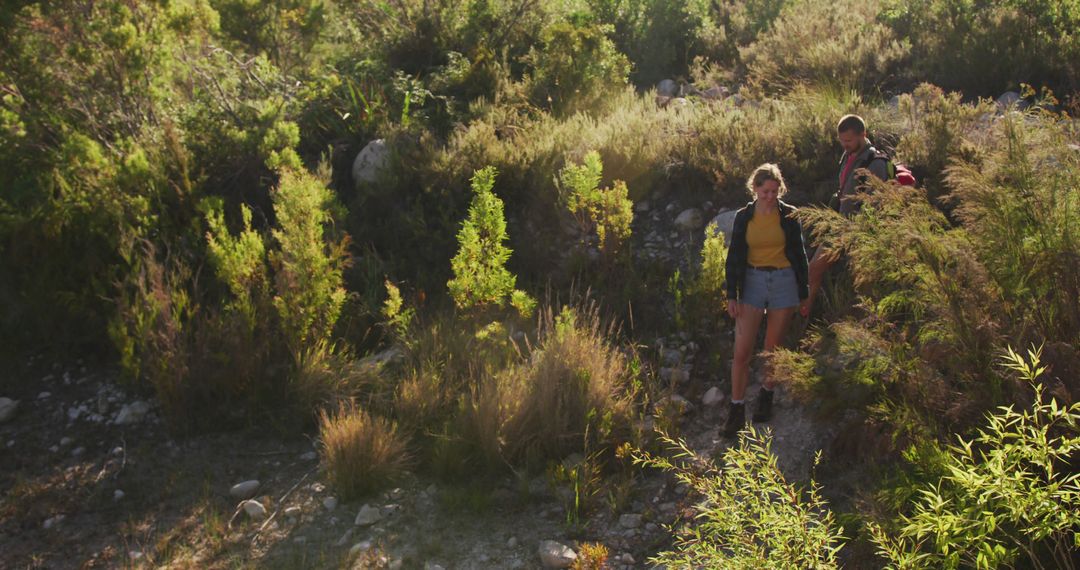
[765, 239]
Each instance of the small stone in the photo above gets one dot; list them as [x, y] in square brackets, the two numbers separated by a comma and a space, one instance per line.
[117, 495]
[630, 521]
[292, 512]
[11, 443]
[396, 494]
[244, 490]
[44, 395]
[52, 521]
[54, 448]
[712, 397]
[432, 566]
[368, 515]
[7, 409]
[512, 543]
[359, 548]
[65, 441]
[391, 509]
[330, 503]
[299, 540]
[117, 450]
[78, 451]
[627, 558]
[317, 487]
[132, 413]
[309, 456]
[254, 509]
[555, 555]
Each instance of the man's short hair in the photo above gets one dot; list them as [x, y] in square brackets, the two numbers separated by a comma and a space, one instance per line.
[851, 123]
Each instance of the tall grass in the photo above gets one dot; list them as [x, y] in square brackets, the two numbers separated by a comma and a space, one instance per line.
[361, 452]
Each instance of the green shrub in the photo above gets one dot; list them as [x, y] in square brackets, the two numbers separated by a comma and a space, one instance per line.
[1019, 205]
[984, 48]
[823, 42]
[308, 292]
[576, 69]
[1006, 496]
[361, 452]
[748, 515]
[608, 210]
[480, 275]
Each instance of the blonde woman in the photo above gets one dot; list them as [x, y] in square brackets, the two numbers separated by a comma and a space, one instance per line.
[766, 277]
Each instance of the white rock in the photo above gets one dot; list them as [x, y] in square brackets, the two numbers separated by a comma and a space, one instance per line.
[712, 396]
[54, 448]
[689, 220]
[132, 413]
[630, 521]
[371, 161]
[44, 395]
[1008, 99]
[309, 456]
[432, 566]
[555, 555]
[330, 503]
[117, 495]
[627, 558]
[368, 515]
[245, 490]
[512, 543]
[7, 409]
[360, 547]
[52, 521]
[65, 441]
[254, 509]
[292, 512]
[117, 450]
[317, 487]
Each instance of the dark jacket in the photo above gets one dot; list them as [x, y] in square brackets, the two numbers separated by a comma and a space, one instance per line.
[739, 251]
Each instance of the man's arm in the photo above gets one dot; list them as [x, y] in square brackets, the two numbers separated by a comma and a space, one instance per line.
[879, 168]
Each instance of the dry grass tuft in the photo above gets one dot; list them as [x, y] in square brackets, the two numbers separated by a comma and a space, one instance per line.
[361, 452]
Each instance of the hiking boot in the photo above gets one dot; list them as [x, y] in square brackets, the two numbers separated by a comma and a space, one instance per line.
[736, 419]
[763, 406]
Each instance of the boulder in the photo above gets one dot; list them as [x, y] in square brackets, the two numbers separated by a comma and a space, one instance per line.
[724, 222]
[132, 413]
[712, 397]
[667, 88]
[689, 220]
[255, 509]
[371, 162]
[368, 515]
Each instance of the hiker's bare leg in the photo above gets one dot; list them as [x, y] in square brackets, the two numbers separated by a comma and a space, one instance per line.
[747, 323]
[818, 266]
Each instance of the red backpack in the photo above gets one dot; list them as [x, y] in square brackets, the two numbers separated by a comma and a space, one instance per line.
[897, 171]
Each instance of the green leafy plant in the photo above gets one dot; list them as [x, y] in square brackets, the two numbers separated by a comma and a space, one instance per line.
[480, 274]
[1007, 494]
[608, 210]
[749, 515]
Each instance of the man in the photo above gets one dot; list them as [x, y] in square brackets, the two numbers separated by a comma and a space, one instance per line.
[858, 153]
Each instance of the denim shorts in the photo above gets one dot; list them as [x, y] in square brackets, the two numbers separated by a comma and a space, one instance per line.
[775, 289]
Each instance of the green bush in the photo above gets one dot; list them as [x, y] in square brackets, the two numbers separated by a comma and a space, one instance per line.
[1017, 202]
[1007, 494]
[748, 515]
[821, 42]
[984, 48]
[608, 210]
[576, 69]
[480, 275]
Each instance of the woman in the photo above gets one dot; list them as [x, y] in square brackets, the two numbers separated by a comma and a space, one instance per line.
[766, 275]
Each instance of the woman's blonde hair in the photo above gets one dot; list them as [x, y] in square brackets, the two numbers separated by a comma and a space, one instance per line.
[767, 171]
